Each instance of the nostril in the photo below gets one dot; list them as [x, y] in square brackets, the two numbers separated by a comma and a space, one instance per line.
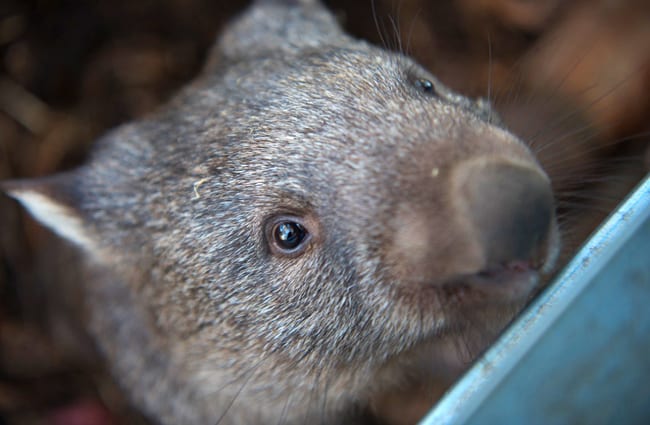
[510, 209]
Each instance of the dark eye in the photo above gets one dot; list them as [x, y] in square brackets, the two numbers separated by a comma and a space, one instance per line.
[425, 85]
[287, 236]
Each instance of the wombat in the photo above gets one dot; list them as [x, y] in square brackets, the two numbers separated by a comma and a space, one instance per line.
[311, 225]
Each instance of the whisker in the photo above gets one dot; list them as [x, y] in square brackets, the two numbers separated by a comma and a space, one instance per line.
[380, 28]
[397, 41]
[414, 18]
[285, 411]
[489, 82]
[247, 379]
[556, 87]
[586, 108]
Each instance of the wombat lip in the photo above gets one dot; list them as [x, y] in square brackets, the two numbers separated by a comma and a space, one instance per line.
[511, 267]
[509, 281]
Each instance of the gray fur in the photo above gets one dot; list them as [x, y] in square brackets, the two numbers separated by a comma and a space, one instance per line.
[199, 319]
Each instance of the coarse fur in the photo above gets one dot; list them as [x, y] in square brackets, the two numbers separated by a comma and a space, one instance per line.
[201, 320]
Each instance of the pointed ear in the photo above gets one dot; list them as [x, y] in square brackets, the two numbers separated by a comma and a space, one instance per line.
[278, 25]
[52, 201]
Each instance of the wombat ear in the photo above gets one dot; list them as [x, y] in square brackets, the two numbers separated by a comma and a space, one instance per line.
[286, 25]
[53, 202]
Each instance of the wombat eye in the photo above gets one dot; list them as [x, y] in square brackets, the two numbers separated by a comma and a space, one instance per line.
[425, 85]
[287, 236]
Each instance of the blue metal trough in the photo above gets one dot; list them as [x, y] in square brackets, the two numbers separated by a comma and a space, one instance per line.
[580, 354]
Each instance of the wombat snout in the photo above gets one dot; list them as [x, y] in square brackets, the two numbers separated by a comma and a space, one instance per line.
[493, 227]
[510, 209]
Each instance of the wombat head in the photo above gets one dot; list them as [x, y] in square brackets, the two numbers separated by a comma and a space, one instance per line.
[297, 226]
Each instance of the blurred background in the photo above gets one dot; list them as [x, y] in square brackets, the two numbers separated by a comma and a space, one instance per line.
[571, 77]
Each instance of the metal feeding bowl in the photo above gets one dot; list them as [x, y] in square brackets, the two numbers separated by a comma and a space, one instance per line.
[580, 354]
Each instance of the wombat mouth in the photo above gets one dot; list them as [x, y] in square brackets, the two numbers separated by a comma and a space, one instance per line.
[514, 281]
[515, 278]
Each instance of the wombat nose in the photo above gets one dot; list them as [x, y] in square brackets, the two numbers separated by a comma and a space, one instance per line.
[510, 208]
